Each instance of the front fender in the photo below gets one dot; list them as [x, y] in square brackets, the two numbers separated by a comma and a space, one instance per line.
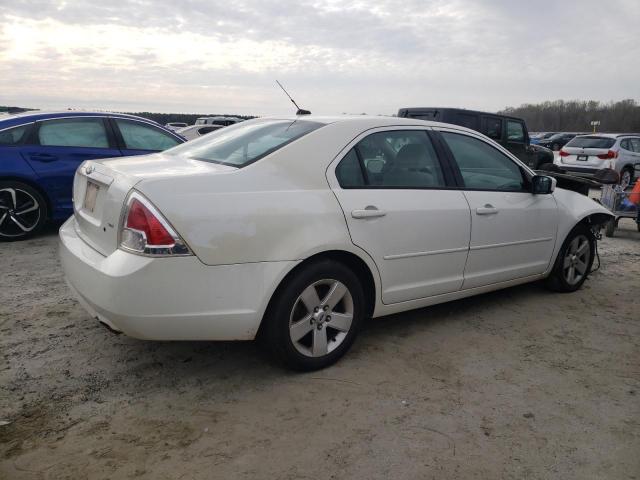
[574, 208]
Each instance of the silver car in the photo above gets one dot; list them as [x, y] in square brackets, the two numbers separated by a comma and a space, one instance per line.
[586, 154]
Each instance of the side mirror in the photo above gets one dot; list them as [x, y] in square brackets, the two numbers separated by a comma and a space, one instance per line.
[542, 185]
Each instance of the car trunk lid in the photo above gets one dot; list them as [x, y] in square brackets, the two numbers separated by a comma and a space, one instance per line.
[101, 187]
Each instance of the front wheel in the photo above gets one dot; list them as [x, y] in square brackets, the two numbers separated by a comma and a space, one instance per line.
[23, 211]
[574, 261]
[314, 318]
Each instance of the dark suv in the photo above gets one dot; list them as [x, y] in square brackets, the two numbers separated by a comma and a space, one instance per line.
[510, 132]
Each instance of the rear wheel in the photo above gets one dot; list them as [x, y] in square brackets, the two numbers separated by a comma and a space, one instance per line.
[574, 261]
[315, 317]
[23, 211]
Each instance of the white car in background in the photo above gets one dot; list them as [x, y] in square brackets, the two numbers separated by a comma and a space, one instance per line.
[586, 154]
[175, 125]
[295, 230]
[195, 131]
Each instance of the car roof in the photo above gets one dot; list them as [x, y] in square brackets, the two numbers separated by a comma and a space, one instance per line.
[609, 135]
[460, 110]
[35, 115]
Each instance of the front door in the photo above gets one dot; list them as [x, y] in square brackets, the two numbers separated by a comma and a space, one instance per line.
[513, 231]
[400, 208]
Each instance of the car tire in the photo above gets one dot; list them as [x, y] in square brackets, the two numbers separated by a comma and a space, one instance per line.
[610, 228]
[626, 177]
[574, 261]
[23, 211]
[304, 328]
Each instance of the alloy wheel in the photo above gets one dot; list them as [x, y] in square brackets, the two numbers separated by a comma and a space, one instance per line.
[321, 318]
[576, 260]
[625, 179]
[19, 212]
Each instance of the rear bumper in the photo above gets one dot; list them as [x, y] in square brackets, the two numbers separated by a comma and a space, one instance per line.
[168, 298]
[579, 171]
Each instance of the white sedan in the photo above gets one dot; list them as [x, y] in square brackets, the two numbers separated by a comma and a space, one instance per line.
[295, 230]
[195, 131]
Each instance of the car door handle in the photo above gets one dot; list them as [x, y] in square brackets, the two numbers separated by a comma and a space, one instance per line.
[368, 212]
[43, 157]
[488, 209]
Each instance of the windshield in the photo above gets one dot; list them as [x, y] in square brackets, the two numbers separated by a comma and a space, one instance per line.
[592, 142]
[246, 142]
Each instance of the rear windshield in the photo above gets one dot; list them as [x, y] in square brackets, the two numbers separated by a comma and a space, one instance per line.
[592, 142]
[246, 142]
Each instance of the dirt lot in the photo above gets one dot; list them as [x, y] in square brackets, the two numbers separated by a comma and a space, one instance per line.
[516, 384]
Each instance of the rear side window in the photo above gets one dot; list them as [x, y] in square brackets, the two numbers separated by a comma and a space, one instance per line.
[515, 131]
[482, 166]
[348, 171]
[467, 120]
[13, 136]
[73, 132]
[244, 143]
[592, 141]
[635, 145]
[493, 128]
[393, 159]
[139, 136]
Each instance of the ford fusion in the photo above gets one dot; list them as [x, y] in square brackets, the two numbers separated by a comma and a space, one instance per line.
[296, 230]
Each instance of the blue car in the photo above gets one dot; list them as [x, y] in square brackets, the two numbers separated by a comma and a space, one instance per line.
[40, 152]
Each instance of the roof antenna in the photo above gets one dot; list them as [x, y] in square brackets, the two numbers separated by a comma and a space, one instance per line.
[300, 110]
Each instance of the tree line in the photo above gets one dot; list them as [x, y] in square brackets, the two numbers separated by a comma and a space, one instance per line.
[577, 115]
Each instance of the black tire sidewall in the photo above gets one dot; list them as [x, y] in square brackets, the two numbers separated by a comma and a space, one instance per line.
[556, 279]
[41, 201]
[276, 334]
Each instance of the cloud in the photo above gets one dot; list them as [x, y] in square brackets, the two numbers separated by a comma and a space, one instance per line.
[362, 56]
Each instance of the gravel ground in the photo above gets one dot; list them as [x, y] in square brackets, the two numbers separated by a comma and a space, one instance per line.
[517, 384]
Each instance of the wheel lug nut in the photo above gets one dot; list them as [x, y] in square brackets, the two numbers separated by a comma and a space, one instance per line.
[328, 318]
[326, 307]
[316, 309]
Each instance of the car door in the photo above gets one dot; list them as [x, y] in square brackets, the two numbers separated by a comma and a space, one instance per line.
[56, 148]
[513, 231]
[141, 138]
[402, 209]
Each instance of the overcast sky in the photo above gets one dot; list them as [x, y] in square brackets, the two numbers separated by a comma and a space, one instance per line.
[333, 56]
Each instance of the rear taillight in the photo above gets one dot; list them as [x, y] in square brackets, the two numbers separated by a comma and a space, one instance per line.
[564, 154]
[145, 231]
[609, 154]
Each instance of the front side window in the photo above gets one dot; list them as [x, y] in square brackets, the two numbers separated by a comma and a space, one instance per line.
[73, 132]
[244, 143]
[394, 159]
[515, 131]
[13, 136]
[138, 136]
[482, 166]
[493, 128]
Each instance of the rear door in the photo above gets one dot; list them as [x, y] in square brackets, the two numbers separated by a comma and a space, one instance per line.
[140, 138]
[57, 147]
[402, 209]
[512, 231]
